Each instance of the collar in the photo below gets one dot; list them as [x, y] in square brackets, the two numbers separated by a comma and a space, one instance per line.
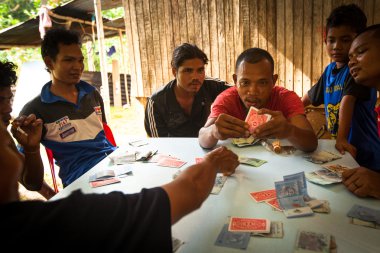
[48, 97]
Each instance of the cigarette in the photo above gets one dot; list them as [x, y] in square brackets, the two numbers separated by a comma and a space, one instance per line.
[19, 129]
[276, 146]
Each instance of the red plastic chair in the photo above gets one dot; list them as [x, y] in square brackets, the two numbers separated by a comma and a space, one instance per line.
[49, 152]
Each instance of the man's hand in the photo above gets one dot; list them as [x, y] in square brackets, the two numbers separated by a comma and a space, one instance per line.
[362, 182]
[31, 133]
[277, 127]
[227, 126]
[224, 159]
[343, 145]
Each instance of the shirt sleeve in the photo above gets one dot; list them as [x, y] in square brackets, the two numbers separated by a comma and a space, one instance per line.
[359, 91]
[293, 105]
[99, 99]
[154, 122]
[316, 93]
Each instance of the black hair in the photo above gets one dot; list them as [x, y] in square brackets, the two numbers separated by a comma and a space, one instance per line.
[374, 30]
[254, 55]
[185, 52]
[347, 15]
[8, 76]
[54, 37]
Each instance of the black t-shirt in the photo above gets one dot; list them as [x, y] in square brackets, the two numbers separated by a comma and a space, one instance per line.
[112, 222]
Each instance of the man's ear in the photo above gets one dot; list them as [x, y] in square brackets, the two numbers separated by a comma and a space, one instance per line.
[174, 72]
[48, 62]
[234, 76]
[275, 77]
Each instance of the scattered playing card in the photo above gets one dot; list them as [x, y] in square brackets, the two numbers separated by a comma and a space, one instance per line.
[104, 182]
[315, 178]
[364, 213]
[276, 230]
[169, 162]
[145, 155]
[263, 195]
[274, 203]
[251, 161]
[236, 240]
[249, 225]
[327, 175]
[254, 119]
[370, 224]
[101, 175]
[298, 212]
[321, 157]
[156, 157]
[308, 241]
[198, 159]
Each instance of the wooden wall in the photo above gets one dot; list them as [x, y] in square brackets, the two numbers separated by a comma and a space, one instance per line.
[291, 30]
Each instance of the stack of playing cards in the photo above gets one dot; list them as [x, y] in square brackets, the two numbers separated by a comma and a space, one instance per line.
[364, 216]
[251, 161]
[243, 142]
[102, 178]
[330, 174]
[291, 194]
[254, 119]
[321, 157]
[251, 225]
[308, 241]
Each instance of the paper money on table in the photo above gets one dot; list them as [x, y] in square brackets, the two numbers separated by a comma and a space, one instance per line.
[219, 183]
[242, 142]
[251, 161]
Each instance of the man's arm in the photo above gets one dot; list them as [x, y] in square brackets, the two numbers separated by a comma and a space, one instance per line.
[29, 137]
[221, 128]
[188, 191]
[154, 124]
[362, 182]
[346, 110]
[297, 130]
[306, 100]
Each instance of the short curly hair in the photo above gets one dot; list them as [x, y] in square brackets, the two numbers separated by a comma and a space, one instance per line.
[8, 76]
[185, 52]
[347, 15]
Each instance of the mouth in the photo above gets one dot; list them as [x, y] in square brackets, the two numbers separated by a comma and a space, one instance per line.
[354, 71]
[252, 102]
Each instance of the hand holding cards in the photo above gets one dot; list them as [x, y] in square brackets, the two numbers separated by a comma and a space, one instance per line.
[254, 119]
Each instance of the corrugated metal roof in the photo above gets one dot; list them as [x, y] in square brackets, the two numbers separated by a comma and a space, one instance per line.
[27, 33]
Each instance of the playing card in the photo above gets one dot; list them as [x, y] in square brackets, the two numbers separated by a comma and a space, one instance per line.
[101, 175]
[145, 155]
[104, 182]
[308, 241]
[219, 183]
[287, 188]
[300, 178]
[364, 213]
[138, 143]
[236, 240]
[298, 212]
[127, 157]
[336, 168]
[123, 170]
[328, 175]
[321, 157]
[276, 230]
[274, 203]
[251, 161]
[156, 157]
[169, 162]
[315, 178]
[198, 159]
[263, 195]
[249, 225]
[370, 224]
[254, 119]
[291, 202]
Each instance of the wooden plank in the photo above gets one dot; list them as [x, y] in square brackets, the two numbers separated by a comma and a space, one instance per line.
[155, 13]
[326, 10]
[253, 25]
[307, 49]
[149, 86]
[376, 19]
[271, 28]
[280, 42]
[182, 21]
[190, 22]
[297, 46]
[169, 37]
[238, 35]
[244, 23]
[197, 23]
[317, 41]
[221, 40]
[175, 22]
[230, 57]
[214, 59]
[262, 24]
[139, 46]
[289, 44]
[369, 6]
[116, 84]
[206, 34]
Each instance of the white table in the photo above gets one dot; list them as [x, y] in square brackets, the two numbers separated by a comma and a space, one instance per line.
[200, 229]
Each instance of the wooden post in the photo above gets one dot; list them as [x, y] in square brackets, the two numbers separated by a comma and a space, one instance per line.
[104, 89]
[116, 84]
[90, 56]
[124, 67]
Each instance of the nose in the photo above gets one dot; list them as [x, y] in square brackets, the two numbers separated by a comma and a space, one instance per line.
[352, 61]
[337, 45]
